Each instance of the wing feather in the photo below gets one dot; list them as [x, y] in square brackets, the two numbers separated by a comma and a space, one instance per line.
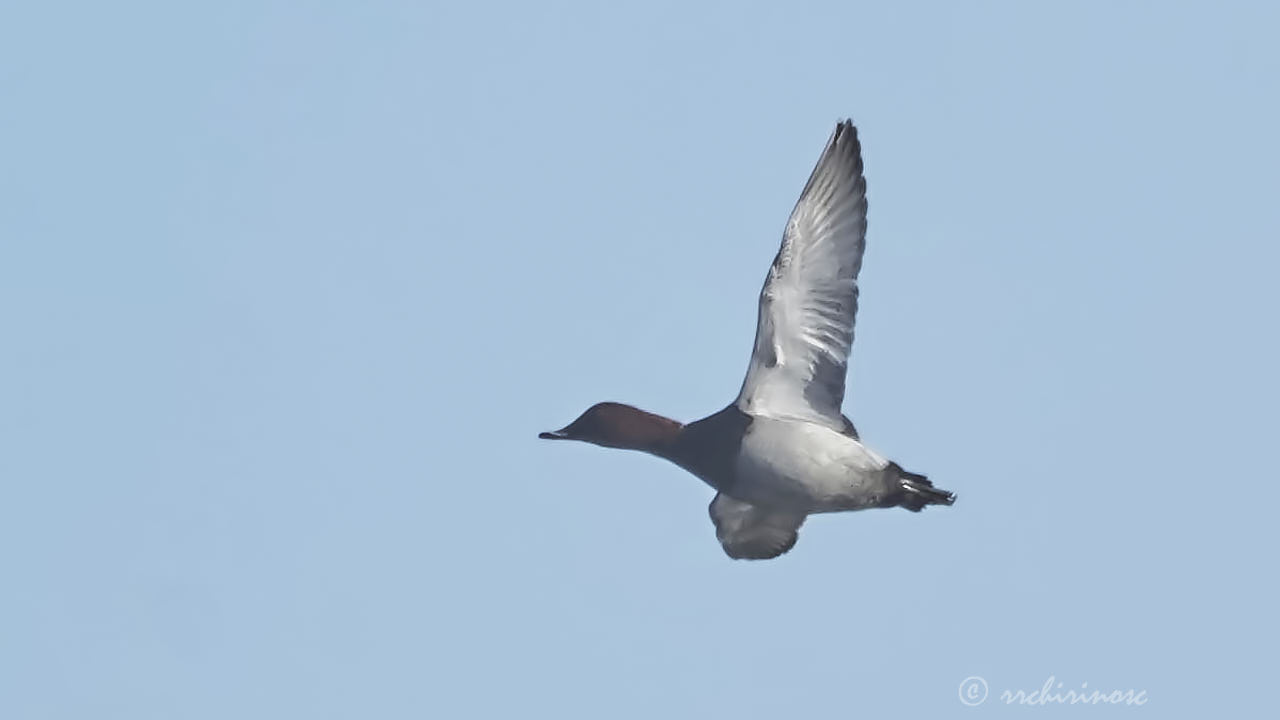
[748, 532]
[810, 297]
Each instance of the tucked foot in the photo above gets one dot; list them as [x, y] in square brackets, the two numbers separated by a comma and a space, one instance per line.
[915, 491]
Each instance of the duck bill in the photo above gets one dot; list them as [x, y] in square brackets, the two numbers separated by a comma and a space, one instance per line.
[554, 435]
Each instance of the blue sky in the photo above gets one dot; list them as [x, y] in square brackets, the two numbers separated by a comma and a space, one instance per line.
[287, 292]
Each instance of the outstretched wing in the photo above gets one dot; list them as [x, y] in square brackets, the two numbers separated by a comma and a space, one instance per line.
[748, 532]
[810, 297]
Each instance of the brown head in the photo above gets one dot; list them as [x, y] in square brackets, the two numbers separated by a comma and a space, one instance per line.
[615, 425]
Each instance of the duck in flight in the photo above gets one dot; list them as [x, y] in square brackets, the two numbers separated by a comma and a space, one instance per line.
[783, 450]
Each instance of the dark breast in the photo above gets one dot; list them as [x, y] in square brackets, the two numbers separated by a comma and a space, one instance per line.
[709, 447]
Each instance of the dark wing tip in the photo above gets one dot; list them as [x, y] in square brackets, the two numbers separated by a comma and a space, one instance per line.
[845, 133]
[841, 157]
[845, 139]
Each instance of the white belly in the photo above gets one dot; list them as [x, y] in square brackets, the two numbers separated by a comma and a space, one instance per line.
[806, 467]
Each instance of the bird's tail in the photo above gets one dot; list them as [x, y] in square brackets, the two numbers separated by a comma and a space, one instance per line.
[916, 491]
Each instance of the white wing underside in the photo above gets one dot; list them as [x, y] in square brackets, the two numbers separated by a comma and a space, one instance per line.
[810, 296]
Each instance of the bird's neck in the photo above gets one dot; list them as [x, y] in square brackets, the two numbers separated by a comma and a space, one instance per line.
[646, 432]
